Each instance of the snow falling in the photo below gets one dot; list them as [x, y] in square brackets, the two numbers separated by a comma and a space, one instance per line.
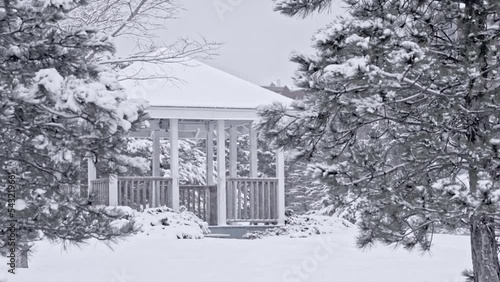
[279, 140]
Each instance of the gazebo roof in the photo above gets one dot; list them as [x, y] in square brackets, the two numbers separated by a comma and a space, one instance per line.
[195, 89]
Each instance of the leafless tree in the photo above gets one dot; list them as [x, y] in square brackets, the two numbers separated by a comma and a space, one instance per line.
[138, 21]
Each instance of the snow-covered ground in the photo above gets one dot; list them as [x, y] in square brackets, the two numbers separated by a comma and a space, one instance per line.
[323, 258]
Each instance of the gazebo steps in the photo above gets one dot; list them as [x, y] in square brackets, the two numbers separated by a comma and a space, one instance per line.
[212, 235]
[237, 231]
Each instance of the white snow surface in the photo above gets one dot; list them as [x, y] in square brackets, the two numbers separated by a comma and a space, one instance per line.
[65, 4]
[349, 68]
[20, 204]
[194, 84]
[322, 258]
[50, 79]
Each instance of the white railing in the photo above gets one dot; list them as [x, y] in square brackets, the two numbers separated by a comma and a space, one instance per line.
[135, 192]
[252, 199]
[143, 192]
[69, 189]
[99, 193]
[200, 200]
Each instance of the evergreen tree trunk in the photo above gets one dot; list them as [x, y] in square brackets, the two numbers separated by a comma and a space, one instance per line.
[484, 249]
[483, 242]
[22, 259]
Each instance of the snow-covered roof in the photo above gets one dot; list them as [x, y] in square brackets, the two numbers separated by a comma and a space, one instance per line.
[194, 85]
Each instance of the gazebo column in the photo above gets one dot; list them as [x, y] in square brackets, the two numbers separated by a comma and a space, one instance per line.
[174, 163]
[212, 208]
[233, 151]
[156, 153]
[91, 174]
[113, 190]
[233, 169]
[280, 174]
[253, 152]
[156, 162]
[221, 174]
[210, 154]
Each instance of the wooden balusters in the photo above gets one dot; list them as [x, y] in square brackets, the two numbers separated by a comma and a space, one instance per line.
[135, 192]
[248, 199]
[199, 200]
[99, 191]
[252, 199]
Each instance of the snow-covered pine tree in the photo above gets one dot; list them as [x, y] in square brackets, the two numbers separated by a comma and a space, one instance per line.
[55, 110]
[192, 159]
[266, 156]
[303, 192]
[405, 106]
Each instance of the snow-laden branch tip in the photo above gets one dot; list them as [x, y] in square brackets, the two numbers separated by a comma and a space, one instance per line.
[400, 78]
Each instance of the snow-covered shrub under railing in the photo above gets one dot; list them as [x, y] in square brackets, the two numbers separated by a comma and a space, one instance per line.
[301, 226]
[163, 221]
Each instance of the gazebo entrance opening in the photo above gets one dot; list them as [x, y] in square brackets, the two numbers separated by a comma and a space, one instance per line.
[225, 199]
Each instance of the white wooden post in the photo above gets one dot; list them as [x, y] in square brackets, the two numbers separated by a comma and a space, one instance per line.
[91, 175]
[221, 174]
[210, 155]
[233, 151]
[113, 190]
[280, 174]
[156, 153]
[156, 164]
[77, 189]
[174, 163]
[253, 152]
[233, 195]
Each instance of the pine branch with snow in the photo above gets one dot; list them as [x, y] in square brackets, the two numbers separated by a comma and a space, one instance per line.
[56, 109]
[403, 113]
[301, 7]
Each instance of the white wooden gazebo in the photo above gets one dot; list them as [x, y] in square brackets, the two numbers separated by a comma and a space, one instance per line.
[199, 102]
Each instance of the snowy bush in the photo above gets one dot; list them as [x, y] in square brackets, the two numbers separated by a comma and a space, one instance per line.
[302, 226]
[165, 222]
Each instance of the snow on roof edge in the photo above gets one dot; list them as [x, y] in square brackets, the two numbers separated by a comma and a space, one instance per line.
[205, 87]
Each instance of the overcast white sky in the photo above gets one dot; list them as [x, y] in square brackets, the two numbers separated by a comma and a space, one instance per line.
[257, 40]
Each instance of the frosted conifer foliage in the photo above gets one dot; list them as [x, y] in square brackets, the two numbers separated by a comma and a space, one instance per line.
[404, 105]
[56, 109]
